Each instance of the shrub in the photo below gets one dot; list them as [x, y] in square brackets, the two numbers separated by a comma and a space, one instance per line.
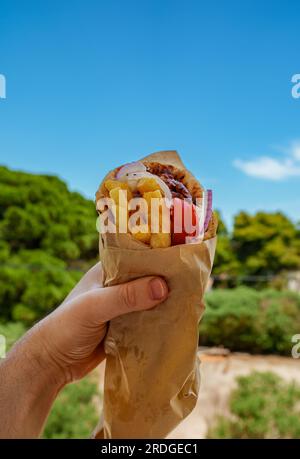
[33, 284]
[45, 230]
[12, 331]
[244, 319]
[262, 406]
[73, 414]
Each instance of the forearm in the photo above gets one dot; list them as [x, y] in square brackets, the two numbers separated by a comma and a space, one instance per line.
[64, 347]
[27, 390]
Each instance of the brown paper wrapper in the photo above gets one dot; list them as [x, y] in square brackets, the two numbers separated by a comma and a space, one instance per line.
[152, 374]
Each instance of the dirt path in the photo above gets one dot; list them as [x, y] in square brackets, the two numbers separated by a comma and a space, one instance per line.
[218, 374]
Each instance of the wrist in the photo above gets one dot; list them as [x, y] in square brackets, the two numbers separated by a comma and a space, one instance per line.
[28, 388]
[38, 357]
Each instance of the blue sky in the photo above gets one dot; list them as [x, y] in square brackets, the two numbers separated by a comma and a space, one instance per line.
[93, 84]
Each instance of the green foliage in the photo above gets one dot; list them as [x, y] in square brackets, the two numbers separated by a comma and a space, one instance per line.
[38, 211]
[225, 258]
[264, 244]
[12, 331]
[73, 414]
[4, 251]
[245, 319]
[32, 284]
[48, 238]
[58, 242]
[262, 406]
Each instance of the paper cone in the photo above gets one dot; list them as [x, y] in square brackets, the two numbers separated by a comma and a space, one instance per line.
[152, 375]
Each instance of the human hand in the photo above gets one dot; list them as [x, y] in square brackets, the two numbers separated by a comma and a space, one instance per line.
[71, 338]
[64, 347]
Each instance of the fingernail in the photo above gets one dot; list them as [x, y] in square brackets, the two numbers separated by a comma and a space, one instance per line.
[158, 289]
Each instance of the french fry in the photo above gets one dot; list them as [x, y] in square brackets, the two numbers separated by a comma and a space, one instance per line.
[151, 195]
[159, 217]
[115, 194]
[160, 240]
[143, 237]
[147, 184]
[120, 219]
[111, 184]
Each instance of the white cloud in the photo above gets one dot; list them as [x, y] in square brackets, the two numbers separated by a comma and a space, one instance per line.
[266, 167]
[295, 149]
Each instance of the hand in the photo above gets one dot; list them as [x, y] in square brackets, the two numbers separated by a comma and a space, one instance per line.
[72, 336]
[64, 347]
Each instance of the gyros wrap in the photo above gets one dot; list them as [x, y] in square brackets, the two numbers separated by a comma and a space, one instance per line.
[152, 375]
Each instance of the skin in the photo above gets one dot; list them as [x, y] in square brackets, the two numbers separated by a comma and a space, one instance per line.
[64, 347]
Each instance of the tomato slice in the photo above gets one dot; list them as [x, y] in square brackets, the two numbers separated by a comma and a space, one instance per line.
[184, 221]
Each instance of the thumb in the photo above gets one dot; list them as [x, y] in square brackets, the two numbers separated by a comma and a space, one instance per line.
[109, 302]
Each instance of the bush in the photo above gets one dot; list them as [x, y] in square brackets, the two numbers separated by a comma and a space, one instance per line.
[45, 231]
[12, 331]
[73, 414]
[33, 284]
[244, 319]
[262, 406]
[39, 212]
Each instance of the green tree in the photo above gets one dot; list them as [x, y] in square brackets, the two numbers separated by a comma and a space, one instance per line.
[38, 211]
[226, 266]
[48, 238]
[266, 243]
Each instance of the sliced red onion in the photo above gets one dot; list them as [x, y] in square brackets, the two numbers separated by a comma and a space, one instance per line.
[208, 212]
[130, 168]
